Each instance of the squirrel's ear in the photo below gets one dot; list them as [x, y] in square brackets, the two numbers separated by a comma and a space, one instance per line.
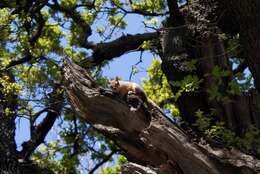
[117, 79]
[117, 83]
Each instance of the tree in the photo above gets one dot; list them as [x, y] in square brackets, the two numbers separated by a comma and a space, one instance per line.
[208, 77]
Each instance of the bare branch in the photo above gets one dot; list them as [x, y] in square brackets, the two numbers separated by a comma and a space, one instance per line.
[75, 145]
[135, 66]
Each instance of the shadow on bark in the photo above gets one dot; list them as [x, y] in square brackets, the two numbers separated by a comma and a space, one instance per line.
[146, 137]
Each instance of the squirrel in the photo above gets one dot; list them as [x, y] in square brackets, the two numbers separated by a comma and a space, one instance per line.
[126, 88]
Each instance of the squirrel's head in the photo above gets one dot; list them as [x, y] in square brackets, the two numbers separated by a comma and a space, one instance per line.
[114, 84]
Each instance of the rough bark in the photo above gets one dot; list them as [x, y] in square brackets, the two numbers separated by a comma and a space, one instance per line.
[132, 168]
[247, 13]
[198, 39]
[190, 33]
[146, 136]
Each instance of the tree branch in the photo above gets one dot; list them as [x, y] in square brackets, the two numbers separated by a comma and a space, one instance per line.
[241, 67]
[32, 40]
[130, 168]
[35, 35]
[105, 159]
[41, 130]
[36, 116]
[137, 11]
[146, 136]
[76, 17]
[75, 146]
[176, 17]
[118, 47]
[25, 59]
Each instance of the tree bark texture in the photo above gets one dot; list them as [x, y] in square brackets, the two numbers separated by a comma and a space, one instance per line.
[146, 137]
[198, 39]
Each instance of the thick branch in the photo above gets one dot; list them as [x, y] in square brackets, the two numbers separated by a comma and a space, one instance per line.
[176, 17]
[145, 135]
[8, 154]
[118, 47]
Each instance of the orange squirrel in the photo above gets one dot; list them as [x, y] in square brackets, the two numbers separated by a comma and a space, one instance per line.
[126, 88]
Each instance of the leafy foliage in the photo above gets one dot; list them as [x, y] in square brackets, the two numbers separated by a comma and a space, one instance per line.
[37, 35]
[33, 44]
[158, 89]
[121, 160]
[219, 133]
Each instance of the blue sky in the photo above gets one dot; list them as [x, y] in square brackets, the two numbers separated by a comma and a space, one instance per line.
[122, 66]
[118, 67]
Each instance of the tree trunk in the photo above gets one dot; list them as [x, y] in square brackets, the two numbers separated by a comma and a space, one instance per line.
[8, 104]
[190, 33]
[146, 137]
[199, 40]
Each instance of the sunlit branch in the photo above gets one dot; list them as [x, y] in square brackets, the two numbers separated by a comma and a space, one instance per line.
[118, 47]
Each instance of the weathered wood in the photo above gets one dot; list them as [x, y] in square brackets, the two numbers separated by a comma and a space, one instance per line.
[147, 137]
